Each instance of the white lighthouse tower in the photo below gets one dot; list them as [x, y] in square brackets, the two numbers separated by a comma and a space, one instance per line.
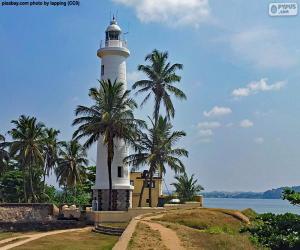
[113, 54]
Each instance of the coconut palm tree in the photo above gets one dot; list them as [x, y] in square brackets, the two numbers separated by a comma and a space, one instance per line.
[71, 164]
[186, 187]
[50, 151]
[109, 118]
[4, 155]
[27, 147]
[156, 150]
[160, 83]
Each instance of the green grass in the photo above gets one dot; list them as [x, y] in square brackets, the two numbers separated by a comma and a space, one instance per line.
[79, 240]
[208, 229]
[6, 235]
[204, 219]
[13, 241]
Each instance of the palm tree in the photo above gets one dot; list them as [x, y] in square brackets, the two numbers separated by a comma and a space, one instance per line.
[161, 77]
[4, 155]
[186, 188]
[51, 147]
[71, 164]
[27, 145]
[109, 118]
[156, 149]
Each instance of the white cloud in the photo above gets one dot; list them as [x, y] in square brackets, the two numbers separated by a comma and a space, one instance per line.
[259, 140]
[246, 123]
[170, 12]
[258, 86]
[263, 47]
[217, 111]
[134, 76]
[208, 125]
[205, 132]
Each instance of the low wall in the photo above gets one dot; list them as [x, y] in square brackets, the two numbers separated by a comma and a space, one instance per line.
[120, 216]
[125, 216]
[25, 212]
[186, 205]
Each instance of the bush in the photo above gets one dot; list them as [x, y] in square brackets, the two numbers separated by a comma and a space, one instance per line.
[277, 232]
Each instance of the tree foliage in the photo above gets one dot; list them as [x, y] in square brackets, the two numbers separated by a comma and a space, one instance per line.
[160, 83]
[292, 196]
[110, 118]
[156, 149]
[186, 187]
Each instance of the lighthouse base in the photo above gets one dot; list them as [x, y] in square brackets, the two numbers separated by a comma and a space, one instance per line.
[121, 199]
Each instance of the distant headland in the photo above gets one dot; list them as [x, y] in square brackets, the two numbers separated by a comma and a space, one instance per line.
[269, 194]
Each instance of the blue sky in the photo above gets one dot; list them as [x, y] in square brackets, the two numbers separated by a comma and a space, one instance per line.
[241, 75]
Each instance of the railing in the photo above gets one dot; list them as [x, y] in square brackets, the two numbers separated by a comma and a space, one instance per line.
[113, 43]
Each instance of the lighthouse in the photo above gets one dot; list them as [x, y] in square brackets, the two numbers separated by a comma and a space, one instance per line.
[113, 54]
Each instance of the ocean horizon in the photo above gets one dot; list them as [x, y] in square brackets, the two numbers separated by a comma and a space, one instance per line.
[276, 206]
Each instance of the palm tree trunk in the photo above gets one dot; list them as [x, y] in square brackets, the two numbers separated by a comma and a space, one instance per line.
[44, 178]
[156, 109]
[31, 184]
[150, 189]
[110, 156]
[24, 186]
[142, 191]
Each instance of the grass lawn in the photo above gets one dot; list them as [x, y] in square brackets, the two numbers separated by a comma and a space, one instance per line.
[208, 229]
[6, 235]
[81, 240]
[145, 238]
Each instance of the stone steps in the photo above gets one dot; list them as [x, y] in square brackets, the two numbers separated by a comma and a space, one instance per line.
[108, 230]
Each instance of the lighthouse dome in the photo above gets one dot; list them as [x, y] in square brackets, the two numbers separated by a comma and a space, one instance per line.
[113, 26]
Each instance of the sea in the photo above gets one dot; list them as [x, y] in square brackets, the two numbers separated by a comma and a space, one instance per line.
[275, 206]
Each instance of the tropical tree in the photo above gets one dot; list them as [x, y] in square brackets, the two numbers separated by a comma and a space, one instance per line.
[71, 164]
[11, 186]
[186, 187]
[27, 147]
[155, 149]
[160, 83]
[109, 118]
[4, 155]
[50, 151]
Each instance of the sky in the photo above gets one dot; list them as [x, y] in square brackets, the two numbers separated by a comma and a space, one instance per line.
[241, 76]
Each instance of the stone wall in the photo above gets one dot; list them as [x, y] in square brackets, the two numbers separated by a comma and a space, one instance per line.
[24, 212]
[121, 199]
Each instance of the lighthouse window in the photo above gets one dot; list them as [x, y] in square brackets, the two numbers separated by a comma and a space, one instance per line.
[102, 70]
[112, 35]
[120, 172]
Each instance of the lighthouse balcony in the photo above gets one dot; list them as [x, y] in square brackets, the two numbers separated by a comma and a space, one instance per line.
[113, 43]
[113, 47]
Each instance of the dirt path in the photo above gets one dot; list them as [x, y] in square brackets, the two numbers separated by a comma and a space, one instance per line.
[31, 237]
[168, 236]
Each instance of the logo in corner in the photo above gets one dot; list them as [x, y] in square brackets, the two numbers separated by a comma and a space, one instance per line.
[283, 9]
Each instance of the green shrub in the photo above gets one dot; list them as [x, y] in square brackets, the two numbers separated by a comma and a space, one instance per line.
[277, 232]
